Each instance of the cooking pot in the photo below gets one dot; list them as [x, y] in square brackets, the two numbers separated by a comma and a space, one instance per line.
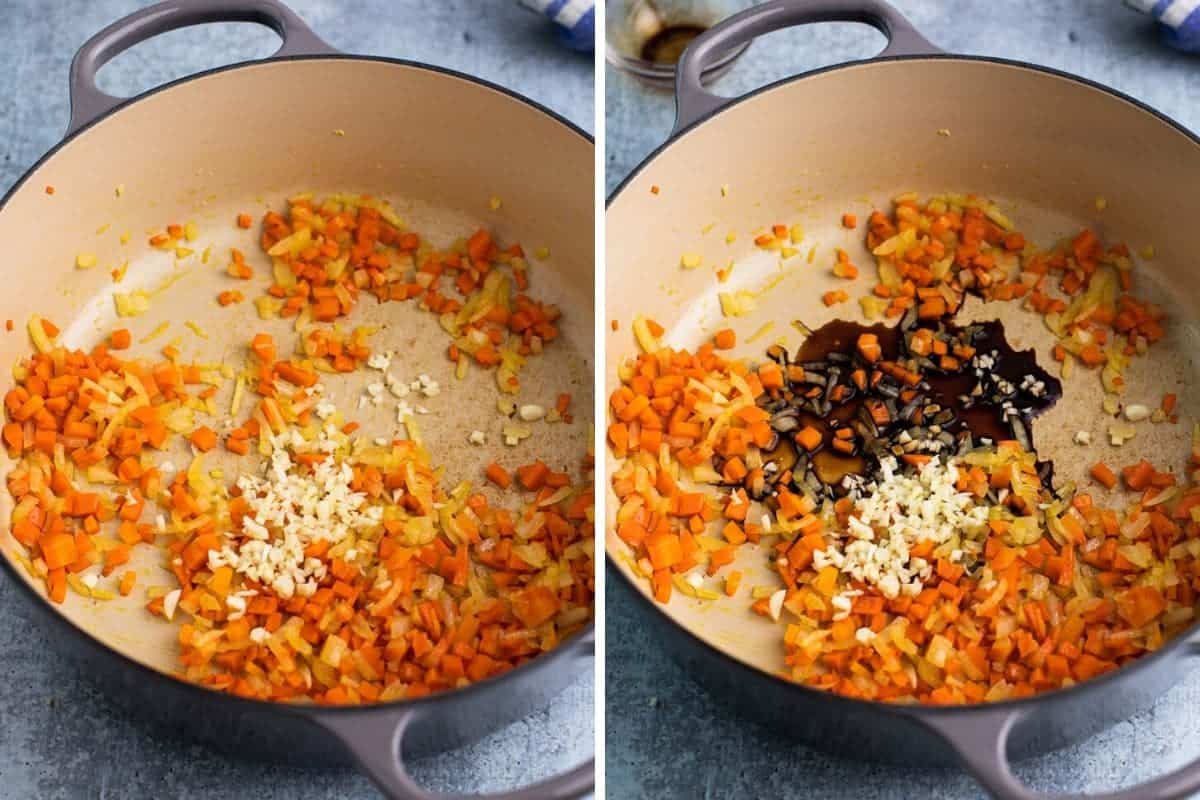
[240, 139]
[848, 138]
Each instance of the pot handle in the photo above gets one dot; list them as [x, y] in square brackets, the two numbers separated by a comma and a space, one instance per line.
[88, 103]
[376, 742]
[981, 741]
[693, 102]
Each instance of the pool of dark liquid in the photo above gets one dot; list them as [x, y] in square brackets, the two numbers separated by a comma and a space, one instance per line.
[985, 420]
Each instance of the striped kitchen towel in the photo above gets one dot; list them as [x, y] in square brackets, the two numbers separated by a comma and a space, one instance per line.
[576, 20]
[1178, 19]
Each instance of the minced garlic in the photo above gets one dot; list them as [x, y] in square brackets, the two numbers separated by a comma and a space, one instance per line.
[289, 509]
[893, 514]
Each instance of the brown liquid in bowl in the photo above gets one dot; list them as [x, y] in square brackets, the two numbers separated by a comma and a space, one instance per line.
[667, 46]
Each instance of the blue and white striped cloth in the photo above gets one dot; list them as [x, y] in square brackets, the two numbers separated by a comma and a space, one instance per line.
[576, 20]
[1178, 19]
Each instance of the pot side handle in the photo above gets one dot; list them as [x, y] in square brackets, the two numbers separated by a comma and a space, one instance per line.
[88, 103]
[981, 741]
[376, 740]
[693, 102]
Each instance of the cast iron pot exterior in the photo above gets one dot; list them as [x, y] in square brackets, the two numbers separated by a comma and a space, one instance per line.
[375, 738]
[983, 738]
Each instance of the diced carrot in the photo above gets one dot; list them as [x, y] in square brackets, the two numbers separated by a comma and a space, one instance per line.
[498, 475]
[295, 375]
[58, 550]
[809, 438]
[770, 375]
[868, 346]
[1092, 356]
[664, 550]
[1140, 605]
[1103, 475]
[204, 438]
[263, 346]
[532, 476]
[1138, 476]
[534, 606]
[14, 437]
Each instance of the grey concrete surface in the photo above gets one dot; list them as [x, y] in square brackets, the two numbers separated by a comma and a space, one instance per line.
[665, 737]
[59, 737]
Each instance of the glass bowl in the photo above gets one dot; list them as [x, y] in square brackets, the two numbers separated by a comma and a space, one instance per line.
[645, 38]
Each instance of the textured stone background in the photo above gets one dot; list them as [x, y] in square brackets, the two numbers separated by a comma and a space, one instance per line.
[59, 737]
[665, 736]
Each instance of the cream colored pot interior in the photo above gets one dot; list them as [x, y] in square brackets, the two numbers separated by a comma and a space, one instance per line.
[1044, 147]
[437, 146]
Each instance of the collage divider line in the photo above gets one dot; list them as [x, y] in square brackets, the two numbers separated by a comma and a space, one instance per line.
[599, 403]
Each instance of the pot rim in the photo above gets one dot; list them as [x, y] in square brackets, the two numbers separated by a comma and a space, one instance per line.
[733, 102]
[1169, 649]
[572, 647]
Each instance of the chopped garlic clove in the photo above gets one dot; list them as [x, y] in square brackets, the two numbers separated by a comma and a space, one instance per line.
[1136, 412]
[170, 603]
[531, 412]
[775, 604]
